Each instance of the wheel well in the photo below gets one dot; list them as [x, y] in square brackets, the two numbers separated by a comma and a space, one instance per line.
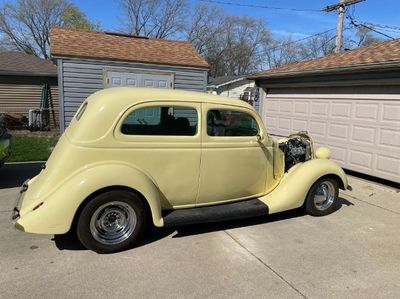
[336, 178]
[107, 189]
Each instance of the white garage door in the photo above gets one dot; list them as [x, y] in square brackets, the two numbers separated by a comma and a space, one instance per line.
[361, 125]
[136, 79]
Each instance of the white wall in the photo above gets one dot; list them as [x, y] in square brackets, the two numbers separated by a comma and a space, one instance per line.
[235, 89]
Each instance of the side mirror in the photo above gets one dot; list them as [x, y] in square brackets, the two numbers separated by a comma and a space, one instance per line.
[258, 137]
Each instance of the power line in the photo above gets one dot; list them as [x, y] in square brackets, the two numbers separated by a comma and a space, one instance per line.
[260, 6]
[341, 8]
[357, 24]
[294, 42]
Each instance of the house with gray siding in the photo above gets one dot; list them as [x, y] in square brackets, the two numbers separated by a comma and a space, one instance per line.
[89, 61]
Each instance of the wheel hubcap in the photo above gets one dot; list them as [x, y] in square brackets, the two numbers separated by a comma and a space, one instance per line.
[113, 223]
[324, 195]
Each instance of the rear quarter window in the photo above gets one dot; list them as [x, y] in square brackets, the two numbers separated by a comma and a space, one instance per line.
[161, 121]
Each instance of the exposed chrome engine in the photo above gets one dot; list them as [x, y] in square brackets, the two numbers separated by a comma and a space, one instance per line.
[296, 149]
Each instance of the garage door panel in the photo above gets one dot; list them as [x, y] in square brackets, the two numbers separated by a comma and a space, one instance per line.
[361, 130]
[387, 164]
[318, 128]
[284, 124]
[339, 131]
[361, 159]
[366, 111]
[301, 108]
[299, 125]
[273, 106]
[285, 106]
[366, 135]
[341, 110]
[391, 113]
[338, 153]
[319, 108]
[390, 138]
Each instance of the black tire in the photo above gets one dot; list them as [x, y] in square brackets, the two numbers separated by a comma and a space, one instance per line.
[314, 205]
[112, 221]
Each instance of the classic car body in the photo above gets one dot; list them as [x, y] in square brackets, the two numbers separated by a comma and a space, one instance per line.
[175, 153]
[5, 142]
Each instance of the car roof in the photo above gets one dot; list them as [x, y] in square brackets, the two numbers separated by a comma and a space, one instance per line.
[106, 106]
[131, 95]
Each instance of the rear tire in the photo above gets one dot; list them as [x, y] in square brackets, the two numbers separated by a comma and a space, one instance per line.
[112, 221]
[322, 198]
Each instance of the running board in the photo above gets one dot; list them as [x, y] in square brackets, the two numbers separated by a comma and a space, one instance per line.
[237, 210]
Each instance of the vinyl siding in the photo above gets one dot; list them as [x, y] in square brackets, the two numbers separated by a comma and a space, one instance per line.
[80, 78]
[18, 94]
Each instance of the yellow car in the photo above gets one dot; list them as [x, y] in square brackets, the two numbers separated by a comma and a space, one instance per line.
[171, 157]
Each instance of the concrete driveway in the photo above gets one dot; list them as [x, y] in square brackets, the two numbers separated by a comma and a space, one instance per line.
[353, 253]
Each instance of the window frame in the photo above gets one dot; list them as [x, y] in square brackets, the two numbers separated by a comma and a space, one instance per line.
[233, 109]
[159, 138]
[230, 141]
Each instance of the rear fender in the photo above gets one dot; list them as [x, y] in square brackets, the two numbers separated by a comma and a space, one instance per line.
[57, 212]
[292, 191]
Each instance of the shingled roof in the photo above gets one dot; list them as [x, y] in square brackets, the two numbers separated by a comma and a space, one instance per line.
[66, 42]
[375, 56]
[19, 63]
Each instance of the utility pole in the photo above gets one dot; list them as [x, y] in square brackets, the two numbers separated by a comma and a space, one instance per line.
[340, 7]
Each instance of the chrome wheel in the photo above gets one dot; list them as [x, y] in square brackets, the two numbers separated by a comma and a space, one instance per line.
[324, 196]
[113, 222]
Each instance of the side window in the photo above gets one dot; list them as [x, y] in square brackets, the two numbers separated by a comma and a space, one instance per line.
[161, 121]
[230, 123]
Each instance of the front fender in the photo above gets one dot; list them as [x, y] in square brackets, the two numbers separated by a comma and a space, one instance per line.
[292, 190]
[57, 212]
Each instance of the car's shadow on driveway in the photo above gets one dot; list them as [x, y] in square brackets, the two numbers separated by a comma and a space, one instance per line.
[15, 174]
[153, 234]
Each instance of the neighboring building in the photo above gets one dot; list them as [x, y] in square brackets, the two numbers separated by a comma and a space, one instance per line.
[21, 79]
[89, 61]
[236, 87]
[348, 101]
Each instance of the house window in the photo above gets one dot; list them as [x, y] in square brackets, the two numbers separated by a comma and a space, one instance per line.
[161, 121]
[230, 123]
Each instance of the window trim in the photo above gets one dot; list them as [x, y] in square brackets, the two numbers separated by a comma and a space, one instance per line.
[232, 109]
[159, 138]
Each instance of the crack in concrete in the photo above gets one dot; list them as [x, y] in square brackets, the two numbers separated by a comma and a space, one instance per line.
[266, 265]
[371, 204]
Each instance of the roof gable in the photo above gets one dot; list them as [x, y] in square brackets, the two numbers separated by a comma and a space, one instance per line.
[66, 42]
[19, 63]
[378, 55]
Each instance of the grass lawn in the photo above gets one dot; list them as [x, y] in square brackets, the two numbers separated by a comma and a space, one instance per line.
[31, 148]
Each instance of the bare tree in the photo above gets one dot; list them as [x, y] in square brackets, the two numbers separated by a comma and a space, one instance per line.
[281, 52]
[230, 44]
[26, 24]
[154, 18]
[365, 37]
[204, 27]
[318, 46]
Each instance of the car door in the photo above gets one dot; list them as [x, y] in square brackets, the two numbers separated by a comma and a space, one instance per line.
[163, 140]
[233, 163]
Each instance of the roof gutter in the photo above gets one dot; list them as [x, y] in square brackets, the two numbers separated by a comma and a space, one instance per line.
[328, 71]
[58, 56]
[27, 74]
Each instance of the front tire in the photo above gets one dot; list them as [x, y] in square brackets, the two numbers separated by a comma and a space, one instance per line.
[112, 221]
[322, 197]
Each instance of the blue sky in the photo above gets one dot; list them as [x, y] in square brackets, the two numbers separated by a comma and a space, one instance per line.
[281, 23]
